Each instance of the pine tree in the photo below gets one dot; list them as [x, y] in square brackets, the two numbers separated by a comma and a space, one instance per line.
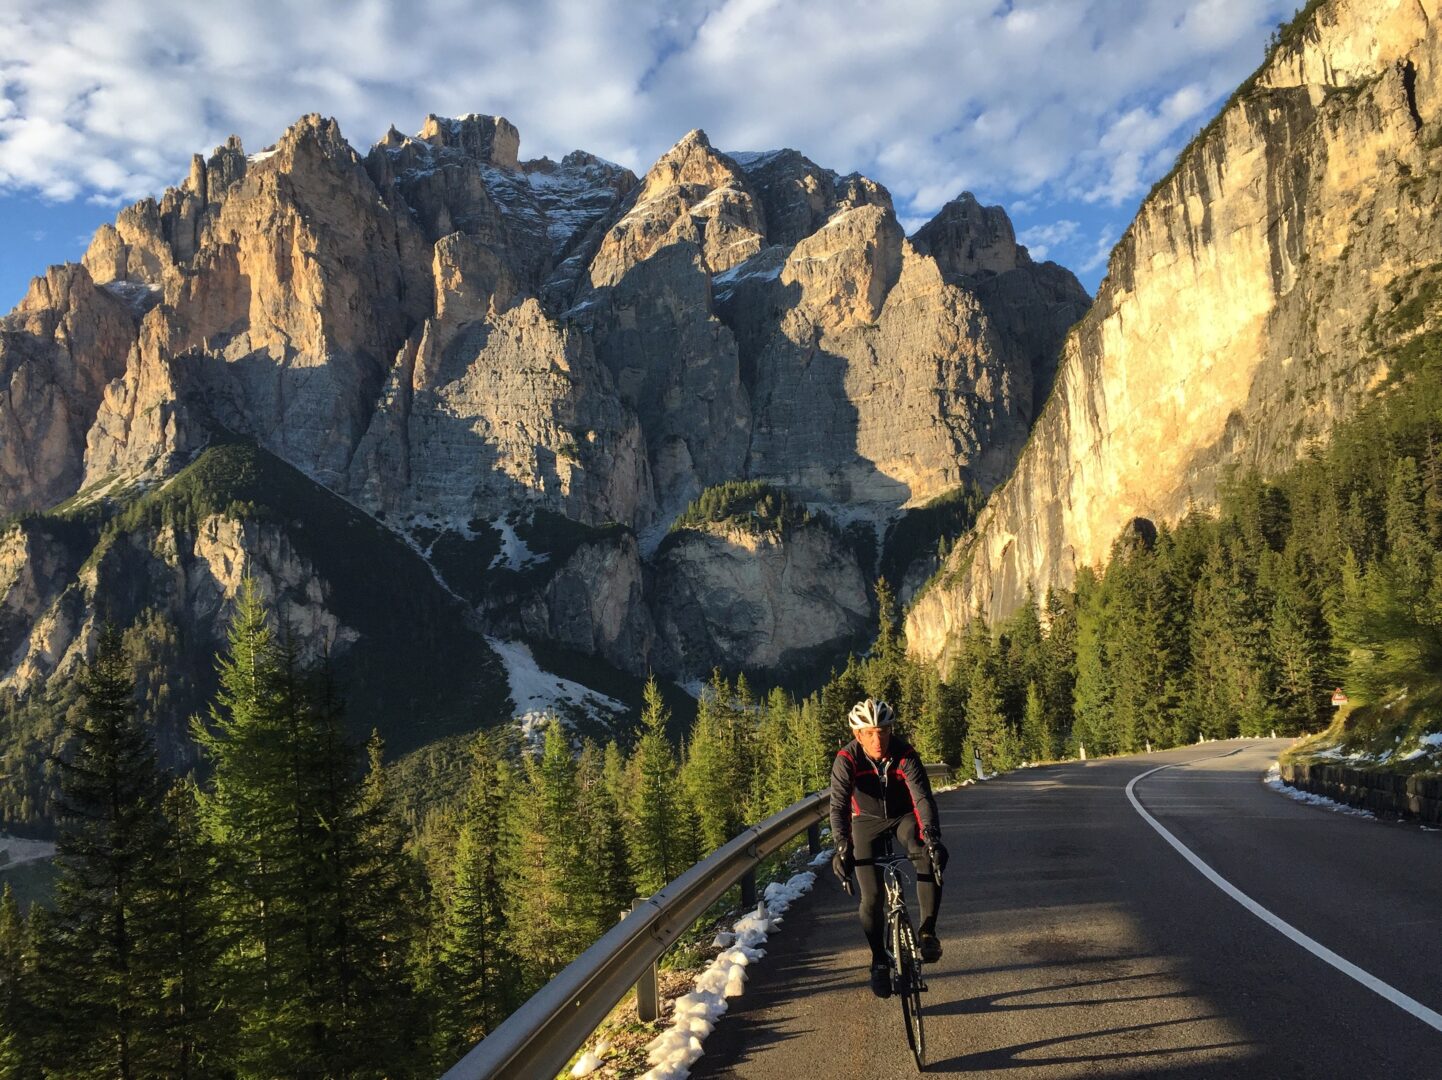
[310, 884]
[987, 732]
[658, 819]
[241, 818]
[18, 1015]
[1301, 648]
[882, 677]
[196, 1023]
[709, 774]
[477, 984]
[604, 870]
[545, 912]
[373, 926]
[1059, 667]
[101, 989]
[1094, 686]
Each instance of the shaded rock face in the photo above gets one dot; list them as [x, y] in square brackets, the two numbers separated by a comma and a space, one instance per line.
[875, 381]
[1031, 305]
[58, 350]
[967, 239]
[677, 366]
[191, 577]
[758, 603]
[596, 604]
[448, 336]
[34, 567]
[498, 412]
[1242, 313]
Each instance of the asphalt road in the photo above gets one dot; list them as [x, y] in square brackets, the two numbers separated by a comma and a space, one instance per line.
[1079, 943]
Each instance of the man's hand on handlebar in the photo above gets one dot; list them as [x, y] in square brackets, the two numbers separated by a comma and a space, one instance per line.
[842, 863]
[937, 852]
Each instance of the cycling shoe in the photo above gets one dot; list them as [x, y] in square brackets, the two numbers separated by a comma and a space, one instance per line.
[930, 948]
[881, 980]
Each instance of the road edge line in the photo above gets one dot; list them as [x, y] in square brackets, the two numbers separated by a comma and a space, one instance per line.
[1346, 967]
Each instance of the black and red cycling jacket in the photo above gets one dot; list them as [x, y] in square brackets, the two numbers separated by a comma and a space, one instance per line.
[886, 789]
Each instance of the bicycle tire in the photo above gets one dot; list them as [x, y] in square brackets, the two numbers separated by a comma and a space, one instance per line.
[909, 990]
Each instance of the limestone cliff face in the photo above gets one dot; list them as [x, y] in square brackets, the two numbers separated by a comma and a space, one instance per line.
[691, 194]
[496, 413]
[877, 381]
[34, 569]
[739, 600]
[1240, 314]
[191, 577]
[58, 350]
[283, 321]
[596, 604]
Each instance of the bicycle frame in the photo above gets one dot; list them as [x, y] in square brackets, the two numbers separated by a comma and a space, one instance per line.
[903, 955]
[897, 913]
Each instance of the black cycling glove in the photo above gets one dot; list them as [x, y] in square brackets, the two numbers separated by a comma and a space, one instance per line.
[842, 863]
[935, 848]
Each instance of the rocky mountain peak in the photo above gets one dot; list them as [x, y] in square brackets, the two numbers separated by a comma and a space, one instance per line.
[455, 341]
[692, 162]
[966, 239]
[798, 196]
[488, 140]
[693, 193]
[313, 132]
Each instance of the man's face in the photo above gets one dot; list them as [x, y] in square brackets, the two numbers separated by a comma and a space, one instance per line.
[874, 740]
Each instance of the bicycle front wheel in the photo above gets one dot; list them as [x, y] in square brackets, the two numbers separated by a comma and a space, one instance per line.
[908, 958]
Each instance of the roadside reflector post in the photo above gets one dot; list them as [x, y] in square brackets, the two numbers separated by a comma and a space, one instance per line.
[813, 837]
[648, 986]
[748, 889]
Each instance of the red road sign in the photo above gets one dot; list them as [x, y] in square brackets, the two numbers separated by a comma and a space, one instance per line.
[1339, 698]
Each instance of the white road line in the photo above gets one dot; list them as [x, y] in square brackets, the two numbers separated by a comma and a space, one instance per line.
[1346, 967]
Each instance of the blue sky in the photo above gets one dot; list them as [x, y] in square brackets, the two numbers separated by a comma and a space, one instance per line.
[1062, 111]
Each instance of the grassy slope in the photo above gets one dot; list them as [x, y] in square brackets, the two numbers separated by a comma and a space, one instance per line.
[1380, 735]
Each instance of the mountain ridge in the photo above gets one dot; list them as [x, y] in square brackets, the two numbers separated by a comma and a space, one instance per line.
[486, 355]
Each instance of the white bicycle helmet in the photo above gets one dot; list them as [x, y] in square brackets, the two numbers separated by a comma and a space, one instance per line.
[871, 713]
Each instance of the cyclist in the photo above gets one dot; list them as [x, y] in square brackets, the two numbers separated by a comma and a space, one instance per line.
[879, 787]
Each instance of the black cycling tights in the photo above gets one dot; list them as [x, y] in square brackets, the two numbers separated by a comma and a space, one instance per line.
[866, 834]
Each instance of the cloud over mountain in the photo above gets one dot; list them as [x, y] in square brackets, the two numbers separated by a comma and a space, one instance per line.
[1070, 102]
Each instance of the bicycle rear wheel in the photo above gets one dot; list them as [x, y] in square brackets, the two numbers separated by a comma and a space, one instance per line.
[908, 958]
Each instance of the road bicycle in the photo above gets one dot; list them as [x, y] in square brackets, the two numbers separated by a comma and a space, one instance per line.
[902, 952]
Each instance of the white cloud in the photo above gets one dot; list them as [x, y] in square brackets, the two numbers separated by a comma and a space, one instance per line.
[1105, 241]
[1041, 100]
[1041, 239]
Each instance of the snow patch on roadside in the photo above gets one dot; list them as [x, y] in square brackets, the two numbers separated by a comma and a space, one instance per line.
[1427, 744]
[675, 1050]
[1274, 780]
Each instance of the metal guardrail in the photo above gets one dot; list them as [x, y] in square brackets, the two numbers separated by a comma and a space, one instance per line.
[539, 1038]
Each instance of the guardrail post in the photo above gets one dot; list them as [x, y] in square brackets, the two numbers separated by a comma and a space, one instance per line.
[748, 889]
[813, 837]
[648, 986]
